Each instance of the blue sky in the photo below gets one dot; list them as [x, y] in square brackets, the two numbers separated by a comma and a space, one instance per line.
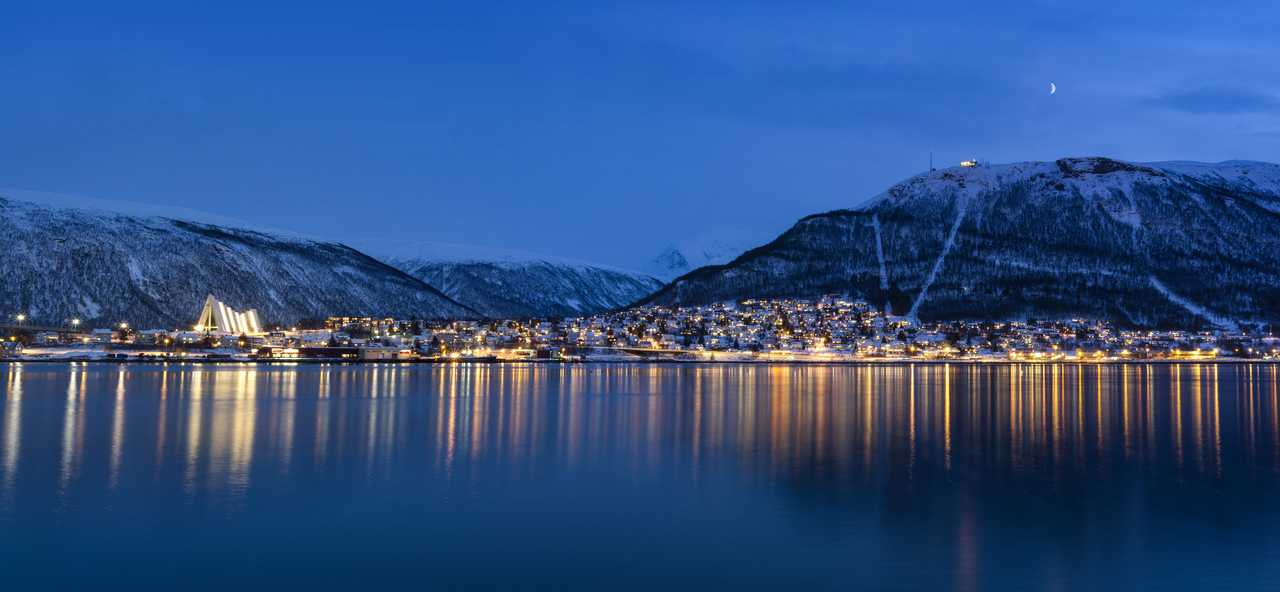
[604, 130]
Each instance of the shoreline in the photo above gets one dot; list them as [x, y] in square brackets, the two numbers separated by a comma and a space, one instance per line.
[864, 362]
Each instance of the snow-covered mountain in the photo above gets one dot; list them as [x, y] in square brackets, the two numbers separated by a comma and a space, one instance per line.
[512, 284]
[1154, 244]
[108, 262]
[678, 259]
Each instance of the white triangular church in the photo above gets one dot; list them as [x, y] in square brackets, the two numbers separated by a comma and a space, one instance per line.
[217, 317]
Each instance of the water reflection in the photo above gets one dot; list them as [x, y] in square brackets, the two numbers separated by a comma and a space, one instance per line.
[12, 430]
[217, 422]
[72, 427]
[962, 464]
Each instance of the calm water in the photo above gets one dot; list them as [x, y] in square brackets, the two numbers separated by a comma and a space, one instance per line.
[618, 477]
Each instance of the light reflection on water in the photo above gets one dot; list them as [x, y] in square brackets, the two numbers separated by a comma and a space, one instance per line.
[929, 459]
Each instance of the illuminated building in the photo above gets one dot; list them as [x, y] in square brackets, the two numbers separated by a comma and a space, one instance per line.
[217, 317]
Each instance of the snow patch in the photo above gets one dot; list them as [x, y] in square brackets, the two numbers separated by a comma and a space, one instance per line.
[963, 204]
[1193, 308]
[135, 272]
[884, 275]
[88, 308]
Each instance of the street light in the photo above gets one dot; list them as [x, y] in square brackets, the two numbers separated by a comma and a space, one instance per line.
[75, 322]
[21, 317]
[124, 325]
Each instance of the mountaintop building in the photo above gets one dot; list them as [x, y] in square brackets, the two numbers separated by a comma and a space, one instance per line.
[217, 317]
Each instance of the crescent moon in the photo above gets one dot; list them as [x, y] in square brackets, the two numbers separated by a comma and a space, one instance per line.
[1053, 88]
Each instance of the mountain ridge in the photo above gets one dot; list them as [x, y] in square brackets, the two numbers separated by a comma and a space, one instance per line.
[104, 267]
[991, 241]
[502, 283]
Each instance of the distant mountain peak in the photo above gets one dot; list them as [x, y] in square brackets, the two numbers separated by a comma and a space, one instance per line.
[676, 260]
[669, 261]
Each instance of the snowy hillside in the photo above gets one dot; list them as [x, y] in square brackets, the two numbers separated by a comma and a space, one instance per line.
[63, 258]
[1174, 243]
[506, 283]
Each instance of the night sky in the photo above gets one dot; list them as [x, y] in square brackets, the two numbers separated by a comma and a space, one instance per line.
[604, 131]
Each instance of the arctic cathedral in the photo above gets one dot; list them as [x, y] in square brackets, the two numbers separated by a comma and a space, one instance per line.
[217, 317]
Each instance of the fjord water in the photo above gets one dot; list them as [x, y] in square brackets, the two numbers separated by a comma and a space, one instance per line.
[924, 476]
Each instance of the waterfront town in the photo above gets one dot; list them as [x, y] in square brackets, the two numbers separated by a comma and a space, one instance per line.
[830, 329]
